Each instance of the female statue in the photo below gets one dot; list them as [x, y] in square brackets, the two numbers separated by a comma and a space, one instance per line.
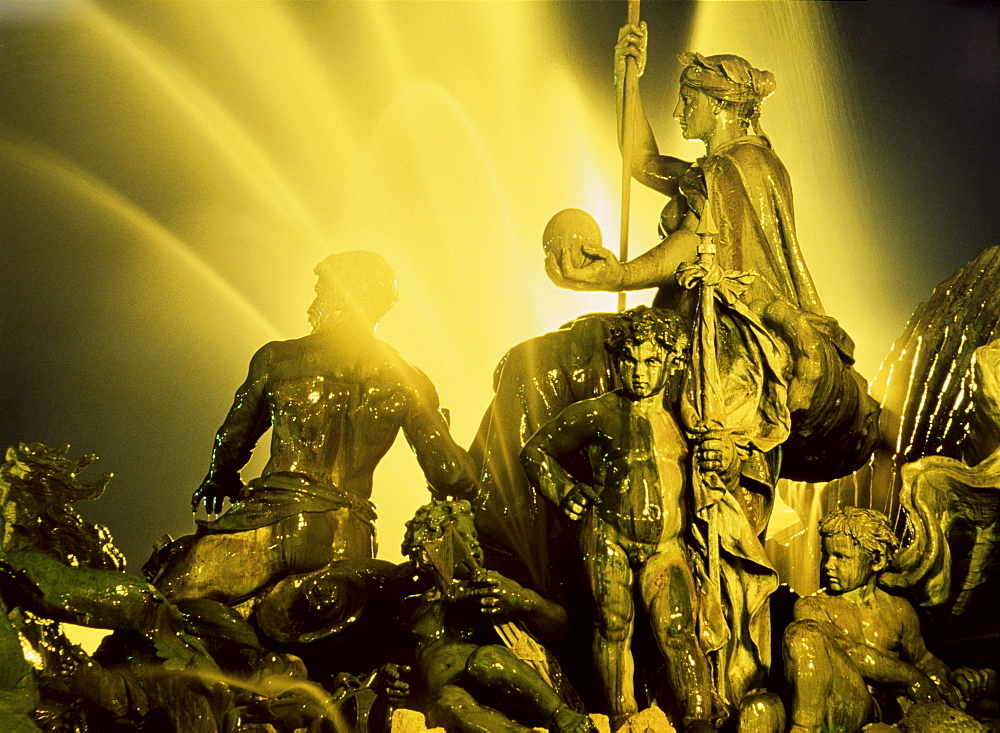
[787, 397]
[740, 176]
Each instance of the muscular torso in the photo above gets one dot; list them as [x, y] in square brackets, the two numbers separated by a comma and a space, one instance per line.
[335, 410]
[333, 429]
[336, 403]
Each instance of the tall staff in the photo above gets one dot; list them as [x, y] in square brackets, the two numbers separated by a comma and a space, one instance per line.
[711, 405]
[630, 91]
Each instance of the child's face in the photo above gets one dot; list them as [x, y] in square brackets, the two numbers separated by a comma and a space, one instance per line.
[643, 369]
[848, 565]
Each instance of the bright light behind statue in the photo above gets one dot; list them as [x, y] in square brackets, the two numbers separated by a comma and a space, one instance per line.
[196, 160]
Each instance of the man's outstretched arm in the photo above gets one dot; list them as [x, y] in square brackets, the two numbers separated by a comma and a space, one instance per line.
[446, 465]
[502, 597]
[247, 420]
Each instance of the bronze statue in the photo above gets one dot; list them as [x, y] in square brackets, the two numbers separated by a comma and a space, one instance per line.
[854, 635]
[741, 193]
[55, 567]
[457, 654]
[633, 518]
[336, 400]
[741, 177]
[785, 376]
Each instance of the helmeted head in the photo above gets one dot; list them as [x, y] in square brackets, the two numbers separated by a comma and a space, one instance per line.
[712, 83]
[857, 545]
[427, 534]
[648, 345]
[359, 286]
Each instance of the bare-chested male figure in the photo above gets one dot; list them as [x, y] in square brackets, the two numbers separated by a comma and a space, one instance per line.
[633, 529]
[853, 634]
[336, 400]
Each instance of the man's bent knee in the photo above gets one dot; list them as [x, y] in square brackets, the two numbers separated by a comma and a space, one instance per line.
[226, 567]
[489, 664]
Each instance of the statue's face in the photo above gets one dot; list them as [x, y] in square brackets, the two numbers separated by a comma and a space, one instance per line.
[848, 565]
[322, 306]
[643, 369]
[695, 114]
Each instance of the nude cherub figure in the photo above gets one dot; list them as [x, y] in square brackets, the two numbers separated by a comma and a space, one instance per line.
[633, 518]
[853, 633]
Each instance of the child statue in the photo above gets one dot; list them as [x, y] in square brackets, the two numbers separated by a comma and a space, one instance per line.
[632, 514]
[853, 634]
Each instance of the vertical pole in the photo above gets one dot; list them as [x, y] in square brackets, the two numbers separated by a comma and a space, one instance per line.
[630, 90]
[712, 412]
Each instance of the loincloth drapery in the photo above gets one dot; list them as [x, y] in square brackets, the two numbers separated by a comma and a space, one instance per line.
[269, 499]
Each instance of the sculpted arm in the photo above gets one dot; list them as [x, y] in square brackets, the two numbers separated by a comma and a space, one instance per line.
[504, 597]
[915, 650]
[446, 465]
[573, 429]
[247, 420]
[657, 266]
[657, 171]
[605, 273]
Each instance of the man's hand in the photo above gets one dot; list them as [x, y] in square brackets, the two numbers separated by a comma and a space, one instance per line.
[213, 493]
[605, 273]
[948, 692]
[717, 453]
[498, 594]
[974, 683]
[690, 274]
[391, 680]
[577, 501]
[631, 43]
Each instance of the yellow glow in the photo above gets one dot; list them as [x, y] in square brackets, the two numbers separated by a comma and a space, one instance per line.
[451, 175]
[217, 125]
[87, 638]
[35, 160]
[444, 141]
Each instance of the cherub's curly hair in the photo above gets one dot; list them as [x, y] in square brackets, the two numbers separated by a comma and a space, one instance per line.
[430, 521]
[868, 527]
[639, 324]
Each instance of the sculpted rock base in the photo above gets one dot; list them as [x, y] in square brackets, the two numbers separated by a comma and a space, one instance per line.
[650, 719]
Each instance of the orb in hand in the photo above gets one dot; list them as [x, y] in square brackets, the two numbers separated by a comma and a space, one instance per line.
[571, 231]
